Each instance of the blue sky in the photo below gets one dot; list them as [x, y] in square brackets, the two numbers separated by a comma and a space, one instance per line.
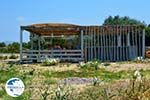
[83, 12]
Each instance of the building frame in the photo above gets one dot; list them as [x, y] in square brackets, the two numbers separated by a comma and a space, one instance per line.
[106, 43]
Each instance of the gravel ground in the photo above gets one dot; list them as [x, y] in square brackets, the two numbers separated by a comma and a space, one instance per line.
[76, 80]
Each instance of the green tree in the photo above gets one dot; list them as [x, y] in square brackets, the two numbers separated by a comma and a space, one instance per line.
[117, 20]
[13, 48]
[2, 44]
[26, 45]
[147, 36]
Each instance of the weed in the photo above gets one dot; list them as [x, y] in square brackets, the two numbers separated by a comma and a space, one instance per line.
[50, 62]
[13, 57]
[62, 93]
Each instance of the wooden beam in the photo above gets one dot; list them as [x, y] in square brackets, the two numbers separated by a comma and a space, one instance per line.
[21, 40]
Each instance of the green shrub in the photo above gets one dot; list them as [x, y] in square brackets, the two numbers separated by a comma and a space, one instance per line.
[13, 57]
[91, 64]
[50, 62]
[62, 93]
[3, 57]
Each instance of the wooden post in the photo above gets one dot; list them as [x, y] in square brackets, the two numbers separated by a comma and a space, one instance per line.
[117, 49]
[109, 45]
[139, 32]
[51, 44]
[106, 45]
[39, 47]
[89, 43]
[136, 41]
[31, 40]
[114, 45]
[123, 43]
[82, 44]
[133, 44]
[95, 46]
[143, 43]
[128, 43]
[98, 45]
[119, 44]
[85, 47]
[91, 46]
[21, 40]
[102, 47]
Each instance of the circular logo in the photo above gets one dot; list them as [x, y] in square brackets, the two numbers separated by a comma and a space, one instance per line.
[14, 87]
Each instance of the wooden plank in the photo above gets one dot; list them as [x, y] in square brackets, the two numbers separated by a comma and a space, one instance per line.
[39, 46]
[85, 48]
[82, 44]
[115, 43]
[136, 42]
[109, 46]
[139, 32]
[104, 46]
[123, 43]
[69, 58]
[118, 55]
[94, 44]
[128, 43]
[91, 32]
[89, 44]
[98, 44]
[102, 49]
[133, 50]
[63, 54]
[117, 49]
[143, 44]
[49, 51]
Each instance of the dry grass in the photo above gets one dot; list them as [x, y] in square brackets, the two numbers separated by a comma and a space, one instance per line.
[38, 77]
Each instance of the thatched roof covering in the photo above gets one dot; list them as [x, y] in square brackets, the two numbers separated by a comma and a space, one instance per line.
[71, 29]
[55, 28]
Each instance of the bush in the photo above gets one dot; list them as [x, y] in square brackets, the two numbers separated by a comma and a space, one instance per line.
[3, 57]
[62, 93]
[91, 64]
[50, 62]
[13, 57]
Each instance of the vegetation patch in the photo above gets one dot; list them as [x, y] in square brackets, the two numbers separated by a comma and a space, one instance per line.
[50, 61]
